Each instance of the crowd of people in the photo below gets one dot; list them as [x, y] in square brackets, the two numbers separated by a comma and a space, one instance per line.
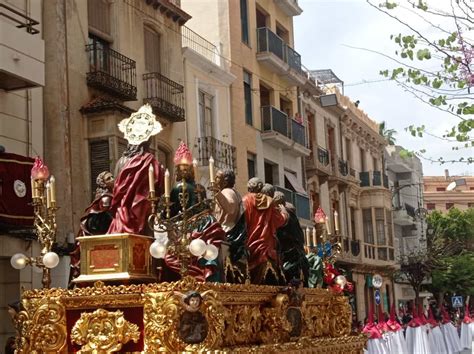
[420, 330]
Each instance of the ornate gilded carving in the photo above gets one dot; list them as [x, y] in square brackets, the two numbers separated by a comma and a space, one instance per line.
[103, 331]
[175, 325]
[42, 326]
[275, 326]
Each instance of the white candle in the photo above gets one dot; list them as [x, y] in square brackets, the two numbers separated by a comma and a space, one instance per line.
[336, 221]
[211, 170]
[308, 235]
[33, 188]
[151, 180]
[195, 169]
[52, 189]
[167, 183]
[327, 226]
[315, 240]
[48, 196]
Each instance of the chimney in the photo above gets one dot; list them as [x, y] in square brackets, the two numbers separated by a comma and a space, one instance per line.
[446, 174]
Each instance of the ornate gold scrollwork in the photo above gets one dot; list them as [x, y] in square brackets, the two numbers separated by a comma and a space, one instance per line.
[41, 326]
[275, 326]
[103, 331]
[164, 314]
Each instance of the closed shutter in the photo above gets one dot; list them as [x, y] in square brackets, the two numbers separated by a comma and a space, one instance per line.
[99, 160]
[152, 51]
[98, 12]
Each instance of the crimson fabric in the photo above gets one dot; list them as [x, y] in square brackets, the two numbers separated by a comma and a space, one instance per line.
[371, 329]
[262, 224]
[130, 206]
[213, 234]
[15, 211]
[131, 314]
[431, 320]
[392, 323]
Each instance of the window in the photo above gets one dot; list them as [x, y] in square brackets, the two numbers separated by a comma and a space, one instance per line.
[282, 33]
[98, 13]
[271, 171]
[353, 225]
[440, 189]
[375, 165]
[449, 206]
[152, 50]
[363, 167]
[348, 151]
[470, 205]
[248, 97]
[251, 167]
[368, 230]
[98, 58]
[431, 206]
[244, 21]
[388, 217]
[261, 18]
[99, 158]
[380, 225]
[205, 114]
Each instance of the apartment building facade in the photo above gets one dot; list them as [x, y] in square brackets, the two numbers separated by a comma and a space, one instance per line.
[445, 192]
[405, 177]
[268, 133]
[22, 77]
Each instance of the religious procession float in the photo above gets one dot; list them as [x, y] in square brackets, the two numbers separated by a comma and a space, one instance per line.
[162, 267]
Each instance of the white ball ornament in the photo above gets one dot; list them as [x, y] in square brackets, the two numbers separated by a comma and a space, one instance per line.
[18, 261]
[157, 250]
[341, 281]
[197, 247]
[50, 260]
[211, 252]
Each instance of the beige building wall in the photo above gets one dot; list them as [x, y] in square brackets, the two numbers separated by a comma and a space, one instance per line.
[436, 197]
[21, 132]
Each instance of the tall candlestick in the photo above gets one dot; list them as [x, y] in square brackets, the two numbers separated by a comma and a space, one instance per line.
[315, 240]
[52, 189]
[196, 172]
[336, 221]
[327, 226]
[48, 196]
[167, 184]
[211, 170]
[151, 180]
[308, 236]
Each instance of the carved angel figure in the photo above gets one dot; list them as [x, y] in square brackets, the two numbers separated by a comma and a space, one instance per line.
[192, 326]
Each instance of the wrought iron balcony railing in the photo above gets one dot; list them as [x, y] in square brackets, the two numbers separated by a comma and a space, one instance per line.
[268, 41]
[165, 96]
[199, 44]
[323, 156]
[373, 179]
[21, 20]
[223, 153]
[300, 201]
[343, 168]
[274, 120]
[111, 72]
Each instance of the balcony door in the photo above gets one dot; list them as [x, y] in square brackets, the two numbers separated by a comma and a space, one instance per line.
[206, 119]
[152, 51]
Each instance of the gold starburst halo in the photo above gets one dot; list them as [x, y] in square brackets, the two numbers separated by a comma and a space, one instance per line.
[140, 126]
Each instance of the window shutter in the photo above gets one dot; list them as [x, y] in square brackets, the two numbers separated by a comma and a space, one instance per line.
[98, 12]
[99, 160]
[152, 51]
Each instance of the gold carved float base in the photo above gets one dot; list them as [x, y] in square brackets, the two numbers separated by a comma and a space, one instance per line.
[115, 257]
[185, 316]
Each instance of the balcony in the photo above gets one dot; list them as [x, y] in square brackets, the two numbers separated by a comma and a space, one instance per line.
[223, 153]
[273, 52]
[300, 201]
[165, 96]
[21, 51]
[340, 173]
[283, 132]
[350, 251]
[318, 163]
[373, 179]
[289, 7]
[111, 72]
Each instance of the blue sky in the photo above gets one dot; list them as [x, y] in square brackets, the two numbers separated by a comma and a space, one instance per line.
[322, 32]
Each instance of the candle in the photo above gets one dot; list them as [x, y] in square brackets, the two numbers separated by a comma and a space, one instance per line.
[52, 189]
[195, 169]
[211, 170]
[33, 188]
[167, 183]
[48, 196]
[315, 241]
[327, 226]
[307, 236]
[151, 180]
[336, 221]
